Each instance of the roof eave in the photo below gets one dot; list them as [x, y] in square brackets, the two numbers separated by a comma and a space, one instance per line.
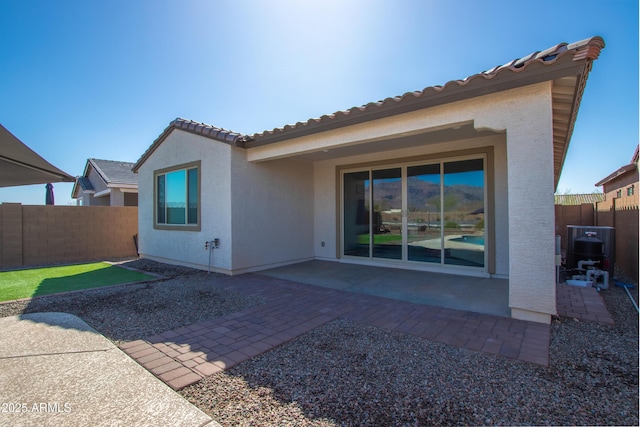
[74, 190]
[195, 128]
[580, 85]
[122, 185]
[390, 108]
[566, 63]
[618, 173]
[99, 171]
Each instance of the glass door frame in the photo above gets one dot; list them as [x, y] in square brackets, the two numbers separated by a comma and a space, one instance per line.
[403, 166]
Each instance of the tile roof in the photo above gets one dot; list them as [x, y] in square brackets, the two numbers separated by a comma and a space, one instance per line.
[198, 128]
[213, 132]
[498, 78]
[567, 64]
[578, 199]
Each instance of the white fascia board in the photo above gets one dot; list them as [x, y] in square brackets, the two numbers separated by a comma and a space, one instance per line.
[125, 188]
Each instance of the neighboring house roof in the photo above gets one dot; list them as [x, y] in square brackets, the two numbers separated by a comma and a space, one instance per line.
[567, 65]
[85, 184]
[114, 174]
[113, 171]
[623, 170]
[578, 199]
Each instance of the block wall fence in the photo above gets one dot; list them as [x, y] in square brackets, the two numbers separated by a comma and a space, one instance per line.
[623, 217]
[44, 235]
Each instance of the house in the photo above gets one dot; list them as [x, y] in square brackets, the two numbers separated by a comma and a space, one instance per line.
[106, 183]
[455, 179]
[621, 186]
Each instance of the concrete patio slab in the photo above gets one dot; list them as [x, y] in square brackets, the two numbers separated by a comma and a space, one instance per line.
[477, 294]
[55, 370]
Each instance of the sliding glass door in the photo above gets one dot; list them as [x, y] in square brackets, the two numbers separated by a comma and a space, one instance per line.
[463, 212]
[356, 215]
[386, 226]
[424, 196]
[431, 213]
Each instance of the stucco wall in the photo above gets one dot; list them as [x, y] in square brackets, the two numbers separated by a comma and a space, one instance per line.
[116, 197]
[188, 247]
[524, 202]
[327, 217]
[272, 212]
[262, 214]
[268, 207]
[96, 181]
[526, 114]
[98, 201]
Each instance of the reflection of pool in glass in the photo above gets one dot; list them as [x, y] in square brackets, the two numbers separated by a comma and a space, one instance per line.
[474, 240]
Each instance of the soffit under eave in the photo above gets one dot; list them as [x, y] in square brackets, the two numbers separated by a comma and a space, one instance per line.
[566, 96]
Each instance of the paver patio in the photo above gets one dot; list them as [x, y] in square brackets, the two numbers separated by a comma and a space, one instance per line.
[184, 356]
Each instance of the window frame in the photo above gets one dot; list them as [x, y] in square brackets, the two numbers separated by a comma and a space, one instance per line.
[485, 156]
[630, 191]
[164, 171]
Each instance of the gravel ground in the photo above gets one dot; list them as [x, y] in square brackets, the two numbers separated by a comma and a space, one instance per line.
[348, 374]
[131, 312]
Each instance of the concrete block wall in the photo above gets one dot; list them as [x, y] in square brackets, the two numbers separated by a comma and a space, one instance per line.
[11, 234]
[41, 235]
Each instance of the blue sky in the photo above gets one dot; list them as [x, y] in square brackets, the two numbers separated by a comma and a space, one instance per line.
[102, 79]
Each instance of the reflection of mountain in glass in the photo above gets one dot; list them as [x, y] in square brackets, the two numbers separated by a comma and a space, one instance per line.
[426, 195]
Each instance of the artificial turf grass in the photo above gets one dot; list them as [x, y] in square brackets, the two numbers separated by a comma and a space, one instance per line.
[50, 280]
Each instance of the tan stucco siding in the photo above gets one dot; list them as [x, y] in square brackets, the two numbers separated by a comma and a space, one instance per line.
[524, 181]
[188, 247]
[528, 121]
[272, 212]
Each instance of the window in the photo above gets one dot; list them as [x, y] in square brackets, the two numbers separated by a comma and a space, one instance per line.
[430, 211]
[618, 194]
[177, 197]
[630, 191]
